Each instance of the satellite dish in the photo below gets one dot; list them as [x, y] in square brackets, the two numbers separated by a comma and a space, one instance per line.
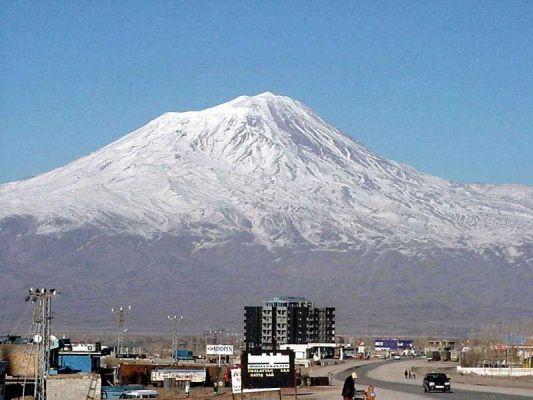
[37, 339]
[54, 342]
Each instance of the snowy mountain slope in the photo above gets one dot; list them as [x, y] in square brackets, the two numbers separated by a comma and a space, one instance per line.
[258, 196]
[268, 167]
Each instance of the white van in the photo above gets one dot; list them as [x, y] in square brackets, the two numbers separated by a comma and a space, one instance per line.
[139, 394]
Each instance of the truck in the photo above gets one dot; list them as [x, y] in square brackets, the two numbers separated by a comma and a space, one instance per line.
[183, 354]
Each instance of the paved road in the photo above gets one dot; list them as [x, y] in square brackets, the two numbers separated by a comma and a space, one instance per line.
[415, 390]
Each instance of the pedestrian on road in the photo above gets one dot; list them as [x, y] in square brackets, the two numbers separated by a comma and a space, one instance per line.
[409, 374]
[369, 393]
[406, 374]
[187, 389]
[348, 390]
[215, 389]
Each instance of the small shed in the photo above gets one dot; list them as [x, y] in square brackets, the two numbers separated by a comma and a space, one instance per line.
[79, 361]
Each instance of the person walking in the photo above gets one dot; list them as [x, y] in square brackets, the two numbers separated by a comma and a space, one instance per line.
[409, 374]
[406, 373]
[215, 389]
[187, 388]
[348, 390]
[369, 393]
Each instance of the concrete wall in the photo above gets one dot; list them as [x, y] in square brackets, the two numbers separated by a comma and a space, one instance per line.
[72, 387]
[496, 371]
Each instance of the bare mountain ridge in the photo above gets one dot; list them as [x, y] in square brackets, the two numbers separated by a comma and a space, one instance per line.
[204, 211]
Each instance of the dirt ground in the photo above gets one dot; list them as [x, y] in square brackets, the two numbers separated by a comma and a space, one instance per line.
[201, 393]
[423, 367]
[524, 382]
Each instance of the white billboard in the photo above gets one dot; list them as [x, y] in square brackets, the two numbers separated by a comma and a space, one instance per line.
[193, 375]
[219, 349]
[269, 361]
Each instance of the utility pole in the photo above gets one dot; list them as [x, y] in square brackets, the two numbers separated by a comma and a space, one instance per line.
[42, 328]
[120, 313]
[175, 320]
[216, 333]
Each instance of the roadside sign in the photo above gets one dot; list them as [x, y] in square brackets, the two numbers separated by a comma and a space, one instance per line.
[261, 370]
[179, 374]
[236, 387]
[219, 349]
[236, 380]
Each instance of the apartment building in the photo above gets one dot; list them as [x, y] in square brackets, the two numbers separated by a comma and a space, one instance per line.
[287, 320]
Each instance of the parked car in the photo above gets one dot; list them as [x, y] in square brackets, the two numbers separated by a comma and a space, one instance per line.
[436, 381]
[140, 394]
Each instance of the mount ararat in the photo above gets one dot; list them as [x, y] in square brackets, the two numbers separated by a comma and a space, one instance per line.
[201, 212]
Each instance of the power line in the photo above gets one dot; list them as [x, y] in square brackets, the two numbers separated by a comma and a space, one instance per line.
[20, 319]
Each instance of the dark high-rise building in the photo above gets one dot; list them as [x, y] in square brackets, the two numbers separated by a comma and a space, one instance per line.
[287, 320]
[252, 331]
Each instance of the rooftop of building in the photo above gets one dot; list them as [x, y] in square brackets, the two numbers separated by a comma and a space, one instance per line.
[287, 299]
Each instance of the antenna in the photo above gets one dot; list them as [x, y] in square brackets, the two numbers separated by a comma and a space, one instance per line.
[120, 313]
[42, 324]
[175, 320]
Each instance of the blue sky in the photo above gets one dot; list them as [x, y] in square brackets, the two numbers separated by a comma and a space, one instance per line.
[446, 87]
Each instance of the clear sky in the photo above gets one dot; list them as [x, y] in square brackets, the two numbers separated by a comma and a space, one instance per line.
[446, 87]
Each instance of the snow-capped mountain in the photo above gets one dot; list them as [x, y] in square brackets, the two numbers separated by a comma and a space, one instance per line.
[260, 197]
[268, 166]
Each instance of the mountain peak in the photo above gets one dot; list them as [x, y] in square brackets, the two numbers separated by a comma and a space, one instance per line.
[266, 100]
[257, 184]
[266, 94]
[268, 167]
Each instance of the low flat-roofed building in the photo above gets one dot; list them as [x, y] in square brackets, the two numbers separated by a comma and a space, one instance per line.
[80, 357]
[392, 344]
[441, 344]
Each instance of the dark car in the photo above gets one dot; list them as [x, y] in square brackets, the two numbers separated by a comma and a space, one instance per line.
[436, 381]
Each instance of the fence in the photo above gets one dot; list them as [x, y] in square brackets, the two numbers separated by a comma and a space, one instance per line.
[496, 371]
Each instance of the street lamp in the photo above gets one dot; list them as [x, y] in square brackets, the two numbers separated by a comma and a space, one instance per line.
[120, 315]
